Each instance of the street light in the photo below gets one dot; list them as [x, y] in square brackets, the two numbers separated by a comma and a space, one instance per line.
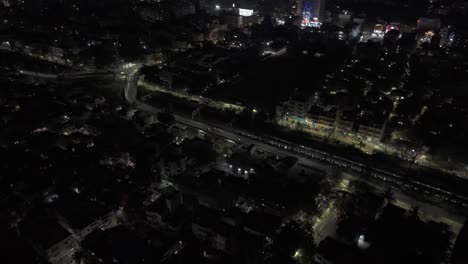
[297, 254]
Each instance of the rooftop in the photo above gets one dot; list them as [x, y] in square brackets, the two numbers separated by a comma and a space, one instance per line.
[329, 111]
[119, 245]
[263, 223]
[222, 222]
[78, 212]
[15, 250]
[39, 226]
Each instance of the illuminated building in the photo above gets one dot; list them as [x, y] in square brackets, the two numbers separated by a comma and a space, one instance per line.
[295, 108]
[312, 12]
[427, 37]
[379, 31]
[392, 26]
[307, 15]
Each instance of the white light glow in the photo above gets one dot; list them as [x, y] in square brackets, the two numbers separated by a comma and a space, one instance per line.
[245, 12]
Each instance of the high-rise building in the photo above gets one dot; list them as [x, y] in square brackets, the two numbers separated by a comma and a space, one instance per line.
[307, 13]
[312, 12]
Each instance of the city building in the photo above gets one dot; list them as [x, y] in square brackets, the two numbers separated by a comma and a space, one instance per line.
[221, 230]
[428, 24]
[459, 253]
[324, 118]
[119, 245]
[241, 164]
[233, 20]
[154, 10]
[345, 124]
[254, 121]
[16, 250]
[48, 237]
[168, 75]
[312, 12]
[165, 213]
[173, 163]
[81, 217]
[295, 108]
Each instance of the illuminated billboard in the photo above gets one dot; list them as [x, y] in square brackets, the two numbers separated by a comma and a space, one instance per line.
[245, 12]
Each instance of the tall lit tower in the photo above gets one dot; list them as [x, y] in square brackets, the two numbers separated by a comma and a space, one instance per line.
[307, 13]
[312, 12]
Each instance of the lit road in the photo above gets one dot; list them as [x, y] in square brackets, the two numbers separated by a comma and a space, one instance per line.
[303, 153]
[357, 142]
[217, 104]
[317, 159]
[236, 137]
[427, 211]
[328, 219]
[222, 131]
[326, 223]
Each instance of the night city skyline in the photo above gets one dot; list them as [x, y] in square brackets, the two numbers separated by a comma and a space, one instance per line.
[234, 131]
